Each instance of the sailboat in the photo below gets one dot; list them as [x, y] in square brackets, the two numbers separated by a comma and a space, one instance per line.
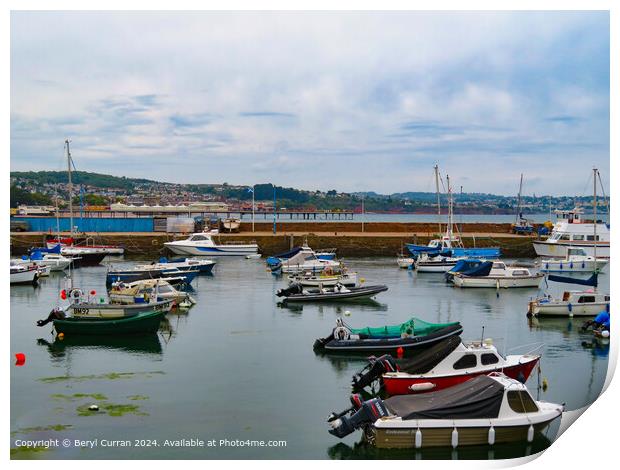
[522, 226]
[450, 244]
[574, 303]
[89, 254]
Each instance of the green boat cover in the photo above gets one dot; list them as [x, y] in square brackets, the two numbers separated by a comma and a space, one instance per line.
[418, 328]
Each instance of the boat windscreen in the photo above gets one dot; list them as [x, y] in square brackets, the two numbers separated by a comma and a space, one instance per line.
[480, 397]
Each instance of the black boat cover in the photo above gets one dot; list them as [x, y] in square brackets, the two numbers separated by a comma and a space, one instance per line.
[288, 254]
[480, 397]
[591, 281]
[426, 360]
[465, 265]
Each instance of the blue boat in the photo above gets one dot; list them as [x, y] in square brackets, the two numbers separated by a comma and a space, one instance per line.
[140, 274]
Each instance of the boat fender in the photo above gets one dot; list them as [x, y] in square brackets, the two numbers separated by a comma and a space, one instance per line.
[561, 266]
[605, 334]
[491, 439]
[570, 307]
[418, 439]
[571, 265]
[455, 438]
[422, 387]
[530, 433]
[341, 333]
[583, 265]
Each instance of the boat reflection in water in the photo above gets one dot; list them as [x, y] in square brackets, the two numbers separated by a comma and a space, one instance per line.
[137, 344]
[363, 450]
[340, 306]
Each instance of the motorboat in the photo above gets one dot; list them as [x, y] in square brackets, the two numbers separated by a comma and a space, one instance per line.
[434, 263]
[486, 410]
[144, 322]
[587, 302]
[203, 266]
[574, 303]
[140, 292]
[571, 230]
[297, 293]
[412, 335]
[575, 261]
[404, 261]
[87, 244]
[305, 261]
[138, 273]
[202, 244]
[24, 274]
[325, 254]
[54, 261]
[309, 279]
[495, 274]
[445, 364]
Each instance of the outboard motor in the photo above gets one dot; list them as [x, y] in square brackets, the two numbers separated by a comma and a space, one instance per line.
[290, 290]
[55, 314]
[373, 371]
[367, 413]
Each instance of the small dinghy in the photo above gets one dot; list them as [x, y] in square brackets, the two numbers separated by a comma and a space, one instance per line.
[347, 279]
[24, 274]
[447, 363]
[141, 292]
[486, 410]
[297, 293]
[414, 334]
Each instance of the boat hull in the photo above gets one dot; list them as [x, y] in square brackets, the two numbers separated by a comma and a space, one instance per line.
[495, 282]
[564, 266]
[118, 311]
[138, 324]
[25, 277]
[219, 250]
[398, 384]
[561, 309]
[434, 267]
[405, 438]
[559, 249]
[354, 293]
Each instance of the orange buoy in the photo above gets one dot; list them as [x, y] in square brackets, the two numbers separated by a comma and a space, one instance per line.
[400, 351]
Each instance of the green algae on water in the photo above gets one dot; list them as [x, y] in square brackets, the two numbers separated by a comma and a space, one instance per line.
[108, 376]
[137, 397]
[111, 409]
[25, 452]
[51, 427]
[79, 396]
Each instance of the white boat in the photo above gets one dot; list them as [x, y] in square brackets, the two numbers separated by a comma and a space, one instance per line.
[427, 263]
[500, 276]
[202, 265]
[572, 231]
[306, 261]
[309, 279]
[143, 291]
[486, 410]
[202, 244]
[576, 261]
[22, 274]
[586, 303]
[51, 261]
[404, 261]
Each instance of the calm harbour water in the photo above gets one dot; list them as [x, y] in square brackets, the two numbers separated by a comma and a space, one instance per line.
[238, 366]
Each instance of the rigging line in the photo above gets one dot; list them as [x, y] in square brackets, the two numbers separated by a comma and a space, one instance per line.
[603, 191]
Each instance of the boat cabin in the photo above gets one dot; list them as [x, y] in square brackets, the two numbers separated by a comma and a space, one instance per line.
[581, 297]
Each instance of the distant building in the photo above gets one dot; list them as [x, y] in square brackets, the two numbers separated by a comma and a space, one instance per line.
[156, 209]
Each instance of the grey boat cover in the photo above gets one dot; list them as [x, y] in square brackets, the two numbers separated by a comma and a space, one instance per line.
[480, 397]
[425, 361]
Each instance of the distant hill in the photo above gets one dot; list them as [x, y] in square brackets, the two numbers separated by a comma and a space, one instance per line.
[81, 177]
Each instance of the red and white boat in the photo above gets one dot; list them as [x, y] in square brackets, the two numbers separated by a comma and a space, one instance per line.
[70, 243]
[444, 365]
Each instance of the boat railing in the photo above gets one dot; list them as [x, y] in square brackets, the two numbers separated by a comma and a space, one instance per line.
[535, 348]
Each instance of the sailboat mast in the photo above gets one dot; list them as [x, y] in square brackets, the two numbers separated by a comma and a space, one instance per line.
[595, 221]
[519, 201]
[449, 229]
[69, 186]
[438, 196]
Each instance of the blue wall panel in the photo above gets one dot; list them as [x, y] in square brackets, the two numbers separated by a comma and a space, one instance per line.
[47, 224]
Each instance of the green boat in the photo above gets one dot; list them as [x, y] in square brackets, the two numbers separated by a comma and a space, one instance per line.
[147, 322]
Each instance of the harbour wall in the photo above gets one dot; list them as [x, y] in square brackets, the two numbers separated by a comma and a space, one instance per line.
[383, 240]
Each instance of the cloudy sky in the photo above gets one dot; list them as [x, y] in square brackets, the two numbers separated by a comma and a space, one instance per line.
[351, 101]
